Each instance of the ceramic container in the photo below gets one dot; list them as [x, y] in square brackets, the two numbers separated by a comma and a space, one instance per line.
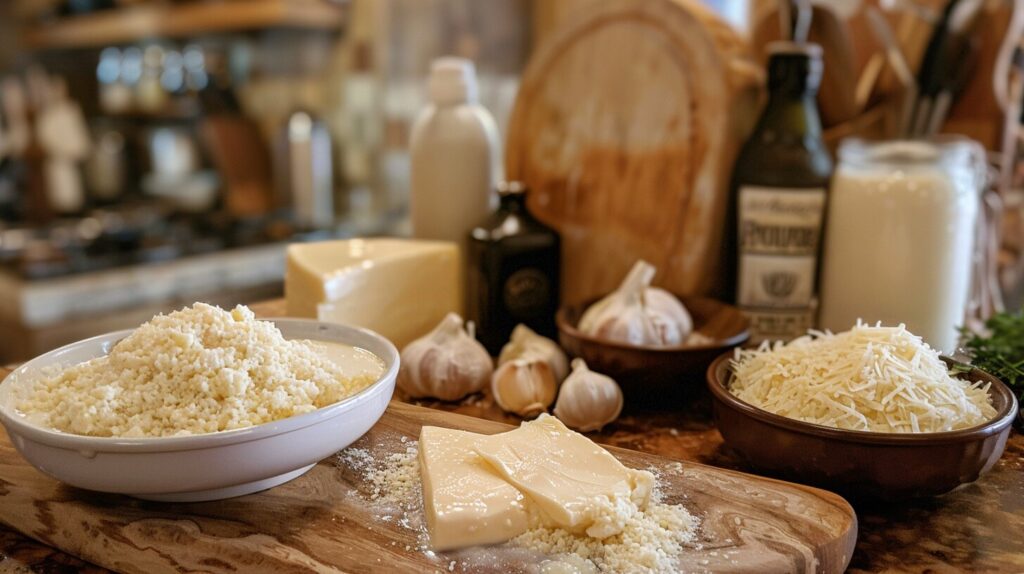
[887, 466]
[209, 466]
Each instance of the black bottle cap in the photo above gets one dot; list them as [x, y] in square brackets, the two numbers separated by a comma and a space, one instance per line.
[794, 66]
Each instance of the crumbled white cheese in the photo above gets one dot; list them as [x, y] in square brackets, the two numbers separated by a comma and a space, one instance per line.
[650, 542]
[870, 378]
[198, 370]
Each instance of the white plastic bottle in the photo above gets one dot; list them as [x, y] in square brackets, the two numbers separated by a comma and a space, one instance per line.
[454, 151]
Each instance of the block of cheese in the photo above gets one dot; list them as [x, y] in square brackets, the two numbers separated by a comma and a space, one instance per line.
[466, 502]
[400, 288]
[575, 483]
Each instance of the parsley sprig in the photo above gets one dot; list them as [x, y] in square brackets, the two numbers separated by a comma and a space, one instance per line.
[1000, 351]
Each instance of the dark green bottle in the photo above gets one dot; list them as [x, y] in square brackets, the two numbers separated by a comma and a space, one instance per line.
[513, 269]
[778, 200]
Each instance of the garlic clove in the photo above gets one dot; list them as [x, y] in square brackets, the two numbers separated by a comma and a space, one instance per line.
[447, 363]
[525, 342]
[588, 400]
[638, 314]
[526, 387]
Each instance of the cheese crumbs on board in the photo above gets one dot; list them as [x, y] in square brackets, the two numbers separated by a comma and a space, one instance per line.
[198, 370]
[650, 541]
[870, 378]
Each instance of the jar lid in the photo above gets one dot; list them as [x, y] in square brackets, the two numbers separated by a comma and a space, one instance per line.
[907, 153]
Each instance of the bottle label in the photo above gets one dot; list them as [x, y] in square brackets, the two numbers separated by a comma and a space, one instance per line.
[779, 234]
[527, 292]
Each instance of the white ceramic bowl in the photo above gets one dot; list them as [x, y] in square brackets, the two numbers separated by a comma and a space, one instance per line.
[202, 467]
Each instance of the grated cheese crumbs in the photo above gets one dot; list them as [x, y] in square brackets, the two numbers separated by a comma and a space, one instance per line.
[650, 542]
[394, 480]
[870, 378]
[198, 370]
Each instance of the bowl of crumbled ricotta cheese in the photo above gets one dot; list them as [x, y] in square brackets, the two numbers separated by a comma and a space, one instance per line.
[199, 404]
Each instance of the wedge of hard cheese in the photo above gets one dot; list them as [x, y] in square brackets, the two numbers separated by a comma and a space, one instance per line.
[575, 483]
[465, 501]
[480, 489]
[400, 288]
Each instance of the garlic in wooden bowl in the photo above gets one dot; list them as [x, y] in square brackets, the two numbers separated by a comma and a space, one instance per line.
[588, 400]
[448, 363]
[525, 386]
[638, 314]
[525, 342]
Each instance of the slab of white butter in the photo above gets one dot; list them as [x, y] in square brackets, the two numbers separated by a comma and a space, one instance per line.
[574, 482]
[401, 288]
[465, 501]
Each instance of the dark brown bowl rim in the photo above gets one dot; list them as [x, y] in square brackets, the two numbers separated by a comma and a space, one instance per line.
[562, 321]
[997, 424]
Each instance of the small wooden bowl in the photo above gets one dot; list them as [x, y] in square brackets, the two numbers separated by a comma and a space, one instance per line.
[653, 374]
[885, 466]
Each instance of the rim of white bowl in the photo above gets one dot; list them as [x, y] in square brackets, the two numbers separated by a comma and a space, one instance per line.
[18, 424]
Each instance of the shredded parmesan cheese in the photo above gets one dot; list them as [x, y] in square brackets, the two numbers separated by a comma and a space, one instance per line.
[870, 378]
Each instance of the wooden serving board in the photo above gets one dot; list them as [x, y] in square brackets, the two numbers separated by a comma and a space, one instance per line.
[625, 127]
[325, 521]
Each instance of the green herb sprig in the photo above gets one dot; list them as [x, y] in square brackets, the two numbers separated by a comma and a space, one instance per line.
[1000, 351]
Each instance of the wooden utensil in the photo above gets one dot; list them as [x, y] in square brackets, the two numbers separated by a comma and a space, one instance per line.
[837, 101]
[325, 522]
[625, 128]
[243, 160]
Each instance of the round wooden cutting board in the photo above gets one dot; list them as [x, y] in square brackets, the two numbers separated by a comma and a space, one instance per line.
[625, 128]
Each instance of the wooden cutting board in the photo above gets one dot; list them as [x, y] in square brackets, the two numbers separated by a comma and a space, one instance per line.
[325, 520]
[625, 128]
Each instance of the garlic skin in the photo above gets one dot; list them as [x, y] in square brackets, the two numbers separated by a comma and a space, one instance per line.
[526, 343]
[588, 400]
[525, 386]
[448, 363]
[638, 314]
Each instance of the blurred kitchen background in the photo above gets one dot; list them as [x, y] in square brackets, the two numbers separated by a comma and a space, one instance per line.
[154, 153]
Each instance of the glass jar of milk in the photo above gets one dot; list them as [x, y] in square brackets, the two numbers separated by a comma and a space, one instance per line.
[899, 236]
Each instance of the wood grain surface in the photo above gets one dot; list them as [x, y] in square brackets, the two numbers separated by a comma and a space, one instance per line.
[325, 521]
[625, 129]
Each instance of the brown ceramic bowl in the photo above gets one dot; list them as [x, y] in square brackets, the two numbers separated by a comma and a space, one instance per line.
[887, 466]
[655, 374]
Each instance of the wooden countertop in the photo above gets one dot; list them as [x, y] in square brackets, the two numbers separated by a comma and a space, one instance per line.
[976, 528]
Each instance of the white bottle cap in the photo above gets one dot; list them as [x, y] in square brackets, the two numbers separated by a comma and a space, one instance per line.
[452, 81]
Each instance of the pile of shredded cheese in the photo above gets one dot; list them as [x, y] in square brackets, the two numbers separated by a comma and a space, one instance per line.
[198, 370]
[870, 378]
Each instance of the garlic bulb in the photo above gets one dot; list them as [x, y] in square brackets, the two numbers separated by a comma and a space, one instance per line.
[526, 343]
[588, 400]
[638, 314]
[448, 363]
[524, 386]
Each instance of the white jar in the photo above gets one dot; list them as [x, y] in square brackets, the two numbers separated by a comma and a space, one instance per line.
[899, 236]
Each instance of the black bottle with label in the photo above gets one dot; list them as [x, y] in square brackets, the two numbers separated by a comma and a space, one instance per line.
[513, 271]
[778, 200]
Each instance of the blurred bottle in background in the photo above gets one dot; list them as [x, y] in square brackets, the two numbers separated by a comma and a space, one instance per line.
[778, 200]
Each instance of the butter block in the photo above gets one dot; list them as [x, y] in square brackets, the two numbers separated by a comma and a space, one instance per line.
[465, 501]
[400, 288]
[575, 483]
